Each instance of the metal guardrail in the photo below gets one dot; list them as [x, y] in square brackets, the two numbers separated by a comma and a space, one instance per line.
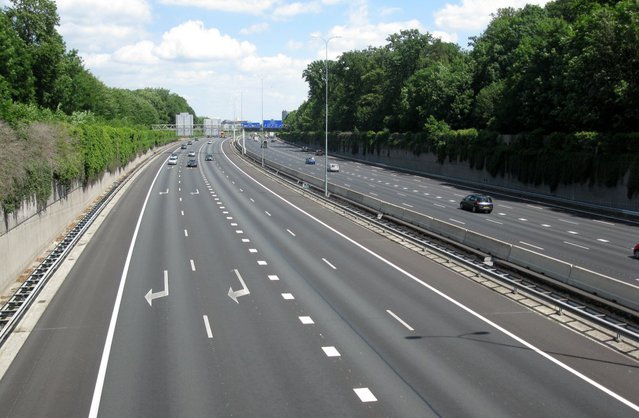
[560, 301]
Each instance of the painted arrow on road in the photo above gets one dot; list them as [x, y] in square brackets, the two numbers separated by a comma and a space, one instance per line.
[167, 192]
[150, 296]
[197, 191]
[237, 293]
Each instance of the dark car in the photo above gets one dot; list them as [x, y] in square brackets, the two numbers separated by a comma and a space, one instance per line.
[319, 151]
[635, 250]
[209, 157]
[183, 146]
[192, 163]
[477, 203]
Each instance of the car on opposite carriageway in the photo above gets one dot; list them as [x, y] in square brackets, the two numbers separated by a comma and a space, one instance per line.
[477, 203]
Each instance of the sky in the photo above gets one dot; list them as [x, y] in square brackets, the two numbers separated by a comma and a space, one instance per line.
[243, 59]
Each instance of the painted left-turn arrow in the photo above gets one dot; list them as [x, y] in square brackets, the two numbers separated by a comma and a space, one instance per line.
[150, 295]
[237, 293]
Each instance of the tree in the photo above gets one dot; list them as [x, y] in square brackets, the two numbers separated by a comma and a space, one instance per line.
[439, 90]
[15, 64]
[35, 22]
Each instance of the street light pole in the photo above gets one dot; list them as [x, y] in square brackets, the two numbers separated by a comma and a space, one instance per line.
[262, 121]
[326, 41]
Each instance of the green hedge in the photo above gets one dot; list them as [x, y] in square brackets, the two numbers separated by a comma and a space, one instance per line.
[68, 153]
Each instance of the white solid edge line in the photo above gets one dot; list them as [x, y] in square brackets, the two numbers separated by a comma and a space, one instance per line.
[443, 295]
[99, 383]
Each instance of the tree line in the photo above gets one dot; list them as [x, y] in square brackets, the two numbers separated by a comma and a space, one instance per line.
[36, 69]
[570, 66]
[61, 127]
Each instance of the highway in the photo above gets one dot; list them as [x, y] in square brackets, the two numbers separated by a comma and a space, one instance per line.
[216, 291]
[595, 242]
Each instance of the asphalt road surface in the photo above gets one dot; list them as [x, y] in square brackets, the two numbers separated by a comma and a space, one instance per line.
[217, 292]
[589, 240]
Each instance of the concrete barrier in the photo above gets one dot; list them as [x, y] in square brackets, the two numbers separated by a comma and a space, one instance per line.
[607, 287]
[540, 263]
[492, 246]
[448, 230]
[419, 219]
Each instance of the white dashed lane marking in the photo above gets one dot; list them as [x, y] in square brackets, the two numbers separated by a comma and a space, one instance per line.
[576, 245]
[400, 320]
[288, 296]
[192, 265]
[290, 232]
[306, 320]
[365, 395]
[207, 326]
[273, 277]
[331, 351]
[329, 264]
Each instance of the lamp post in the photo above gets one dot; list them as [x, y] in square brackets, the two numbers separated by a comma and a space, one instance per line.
[326, 41]
[262, 121]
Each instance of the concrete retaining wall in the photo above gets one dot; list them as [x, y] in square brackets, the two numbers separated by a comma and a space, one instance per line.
[30, 232]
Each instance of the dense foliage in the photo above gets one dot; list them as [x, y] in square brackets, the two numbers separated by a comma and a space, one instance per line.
[570, 66]
[562, 80]
[59, 124]
[43, 155]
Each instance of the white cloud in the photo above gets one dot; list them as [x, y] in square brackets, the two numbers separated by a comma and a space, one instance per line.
[445, 36]
[237, 6]
[140, 53]
[363, 36]
[358, 13]
[191, 40]
[256, 28]
[91, 11]
[290, 10]
[96, 25]
[474, 15]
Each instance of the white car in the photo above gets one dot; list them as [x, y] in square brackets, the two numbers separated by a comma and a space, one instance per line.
[173, 160]
[192, 154]
[333, 167]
